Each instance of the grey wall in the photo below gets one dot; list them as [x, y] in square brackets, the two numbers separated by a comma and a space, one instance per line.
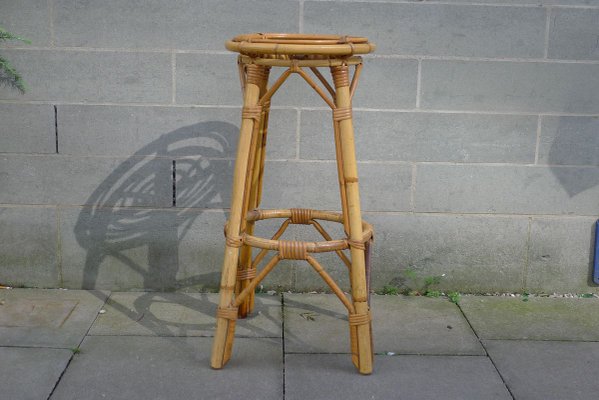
[477, 126]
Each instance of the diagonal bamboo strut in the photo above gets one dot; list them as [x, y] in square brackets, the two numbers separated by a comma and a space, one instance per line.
[276, 236]
[354, 80]
[264, 133]
[326, 84]
[250, 288]
[328, 237]
[329, 281]
[314, 86]
[275, 87]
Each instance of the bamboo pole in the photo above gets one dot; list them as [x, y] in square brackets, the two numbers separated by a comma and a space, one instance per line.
[253, 189]
[360, 333]
[225, 328]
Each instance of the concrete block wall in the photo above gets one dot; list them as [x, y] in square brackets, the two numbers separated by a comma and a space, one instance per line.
[477, 125]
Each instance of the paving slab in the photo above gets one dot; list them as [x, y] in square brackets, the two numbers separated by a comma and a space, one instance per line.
[47, 318]
[333, 376]
[181, 314]
[317, 323]
[539, 318]
[31, 373]
[132, 368]
[547, 370]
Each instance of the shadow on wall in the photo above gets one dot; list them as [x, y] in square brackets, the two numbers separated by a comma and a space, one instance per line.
[143, 241]
[575, 142]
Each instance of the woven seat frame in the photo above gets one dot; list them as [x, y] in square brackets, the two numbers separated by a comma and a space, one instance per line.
[300, 54]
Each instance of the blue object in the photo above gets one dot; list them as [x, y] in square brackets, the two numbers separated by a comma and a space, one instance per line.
[596, 260]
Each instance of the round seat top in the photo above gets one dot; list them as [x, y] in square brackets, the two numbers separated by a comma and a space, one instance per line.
[297, 45]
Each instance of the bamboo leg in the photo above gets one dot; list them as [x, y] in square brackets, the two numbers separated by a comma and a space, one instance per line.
[225, 321]
[360, 325]
[255, 187]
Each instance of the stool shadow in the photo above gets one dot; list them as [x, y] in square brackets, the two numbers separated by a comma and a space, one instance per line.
[118, 223]
[118, 220]
[141, 313]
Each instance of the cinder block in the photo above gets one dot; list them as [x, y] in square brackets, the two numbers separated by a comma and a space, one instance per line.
[383, 187]
[573, 34]
[561, 255]
[569, 140]
[91, 76]
[507, 189]
[393, 136]
[136, 181]
[28, 19]
[510, 86]
[28, 249]
[433, 245]
[207, 79]
[202, 24]
[27, 128]
[435, 29]
[165, 131]
[139, 248]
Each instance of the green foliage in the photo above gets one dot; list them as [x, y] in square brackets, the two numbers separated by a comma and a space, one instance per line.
[8, 74]
[76, 350]
[587, 295]
[454, 297]
[389, 289]
[410, 283]
[419, 286]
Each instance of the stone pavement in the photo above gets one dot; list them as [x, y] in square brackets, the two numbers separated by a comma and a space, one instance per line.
[67, 344]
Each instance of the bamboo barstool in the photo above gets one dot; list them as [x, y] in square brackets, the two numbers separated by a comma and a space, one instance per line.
[298, 53]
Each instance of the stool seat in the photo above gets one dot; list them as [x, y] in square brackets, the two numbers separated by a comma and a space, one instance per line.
[299, 45]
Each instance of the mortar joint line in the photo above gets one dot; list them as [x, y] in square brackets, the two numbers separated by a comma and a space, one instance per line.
[173, 77]
[538, 139]
[547, 29]
[530, 4]
[303, 108]
[51, 22]
[301, 16]
[298, 134]
[418, 83]
[174, 183]
[59, 247]
[283, 339]
[527, 256]
[56, 128]
[413, 188]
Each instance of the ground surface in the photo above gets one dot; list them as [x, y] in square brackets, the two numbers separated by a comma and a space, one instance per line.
[59, 344]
